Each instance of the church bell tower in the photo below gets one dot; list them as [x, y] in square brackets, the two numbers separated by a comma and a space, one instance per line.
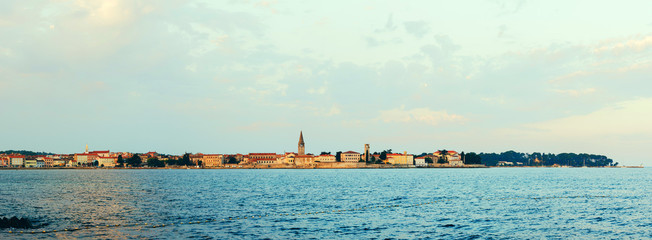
[302, 145]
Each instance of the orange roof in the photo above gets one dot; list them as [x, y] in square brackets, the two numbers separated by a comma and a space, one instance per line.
[86, 154]
[262, 153]
[352, 152]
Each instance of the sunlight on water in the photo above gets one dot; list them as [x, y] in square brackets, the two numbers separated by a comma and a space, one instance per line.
[471, 203]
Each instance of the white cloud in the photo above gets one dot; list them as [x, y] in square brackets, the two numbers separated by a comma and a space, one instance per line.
[629, 117]
[334, 111]
[319, 91]
[636, 44]
[417, 28]
[422, 115]
[575, 93]
[109, 12]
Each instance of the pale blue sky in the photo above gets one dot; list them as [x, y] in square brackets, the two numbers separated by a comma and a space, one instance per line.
[247, 76]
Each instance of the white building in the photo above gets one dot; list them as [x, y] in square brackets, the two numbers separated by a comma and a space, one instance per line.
[420, 162]
[400, 159]
[456, 162]
[16, 160]
[326, 158]
[213, 160]
[106, 161]
[350, 156]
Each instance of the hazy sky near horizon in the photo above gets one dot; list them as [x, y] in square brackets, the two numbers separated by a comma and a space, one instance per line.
[247, 76]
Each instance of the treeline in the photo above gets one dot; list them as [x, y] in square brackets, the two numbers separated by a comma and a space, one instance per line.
[137, 161]
[547, 159]
[25, 152]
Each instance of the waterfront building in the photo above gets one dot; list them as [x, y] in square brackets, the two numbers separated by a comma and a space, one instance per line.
[453, 157]
[108, 161]
[16, 160]
[213, 160]
[261, 158]
[85, 158]
[151, 155]
[195, 158]
[48, 161]
[58, 162]
[104, 153]
[456, 162]
[350, 156]
[30, 163]
[400, 159]
[505, 163]
[4, 161]
[287, 158]
[304, 160]
[420, 162]
[326, 158]
[302, 145]
[40, 163]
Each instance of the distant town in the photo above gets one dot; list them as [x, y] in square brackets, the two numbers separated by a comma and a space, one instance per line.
[300, 159]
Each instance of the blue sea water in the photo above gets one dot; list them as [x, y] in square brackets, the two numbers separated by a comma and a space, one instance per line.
[494, 203]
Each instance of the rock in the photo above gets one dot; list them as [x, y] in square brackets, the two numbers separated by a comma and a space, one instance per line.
[15, 222]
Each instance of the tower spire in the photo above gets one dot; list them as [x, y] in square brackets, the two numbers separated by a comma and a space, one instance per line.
[302, 145]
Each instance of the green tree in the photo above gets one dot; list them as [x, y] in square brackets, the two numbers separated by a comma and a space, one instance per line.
[472, 158]
[134, 160]
[442, 156]
[185, 160]
[232, 160]
[325, 153]
[338, 156]
[155, 162]
[120, 161]
[428, 160]
[172, 162]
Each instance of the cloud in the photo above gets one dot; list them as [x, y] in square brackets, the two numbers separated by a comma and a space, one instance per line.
[260, 125]
[634, 44]
[623, 118]
[333, 111]
[389, 25]
[319, 91]
[501, 30]
[441, 52]
[110, 12]
[569, 76]
[509, 7]
[417, 28]
[419, 115]
[575, 93]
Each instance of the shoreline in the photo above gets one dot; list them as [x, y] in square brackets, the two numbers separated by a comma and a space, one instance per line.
[288, 167]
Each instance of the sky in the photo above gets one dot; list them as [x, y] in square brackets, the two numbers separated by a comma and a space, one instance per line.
[248, 76]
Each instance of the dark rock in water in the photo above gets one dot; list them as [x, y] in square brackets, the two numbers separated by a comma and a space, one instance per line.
[15, 222]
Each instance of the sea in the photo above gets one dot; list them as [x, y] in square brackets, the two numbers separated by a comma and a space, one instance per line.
[486, 203]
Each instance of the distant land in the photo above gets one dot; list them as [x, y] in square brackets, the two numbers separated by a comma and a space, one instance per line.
[25, 152]
[350, 159]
